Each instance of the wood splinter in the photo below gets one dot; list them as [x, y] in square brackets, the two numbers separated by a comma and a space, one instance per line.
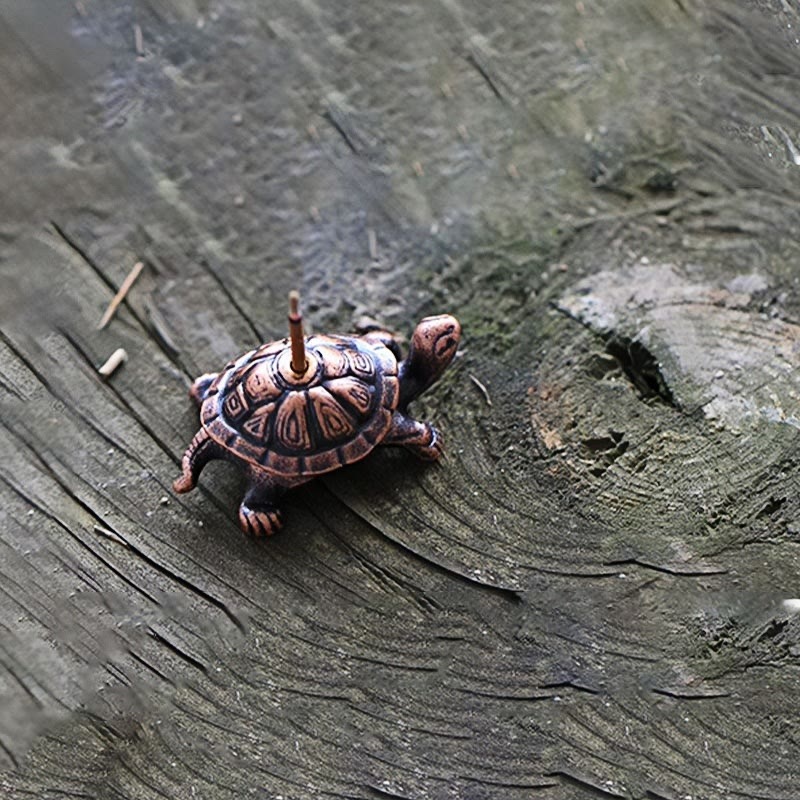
[482, 388]
[299, 362]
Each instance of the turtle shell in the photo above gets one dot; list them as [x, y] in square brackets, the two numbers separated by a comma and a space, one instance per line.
[296, 426]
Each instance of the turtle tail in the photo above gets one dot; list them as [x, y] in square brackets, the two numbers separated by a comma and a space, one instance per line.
[200, 451]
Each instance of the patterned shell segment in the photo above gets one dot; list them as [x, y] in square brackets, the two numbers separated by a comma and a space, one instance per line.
[290, 425]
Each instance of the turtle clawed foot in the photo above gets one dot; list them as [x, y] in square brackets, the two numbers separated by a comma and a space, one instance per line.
[262, 521]
[187, 480]
[433, 449]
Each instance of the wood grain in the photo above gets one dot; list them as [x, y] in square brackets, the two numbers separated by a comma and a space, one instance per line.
[584, 598]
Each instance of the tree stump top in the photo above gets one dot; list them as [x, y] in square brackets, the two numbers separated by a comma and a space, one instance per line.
[588, 596]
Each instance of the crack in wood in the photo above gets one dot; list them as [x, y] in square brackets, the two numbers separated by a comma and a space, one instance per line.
[480, 66]
[508, 592]
[150, 667]
[67, 529]
[333, 119]
[686, 694]
[587, 784]
[178, 651]
[685, 570]
[103, 524]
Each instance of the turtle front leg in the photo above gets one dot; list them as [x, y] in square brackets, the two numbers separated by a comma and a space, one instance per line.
[258, 513]
[421, 438]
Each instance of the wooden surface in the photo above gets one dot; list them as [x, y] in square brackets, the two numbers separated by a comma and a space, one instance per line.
[585, 599]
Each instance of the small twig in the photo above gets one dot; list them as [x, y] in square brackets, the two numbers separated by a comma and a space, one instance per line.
[628, 216]
[790, 146]
[138, 40]
[483, 389]
[418, 169]
[118, 357]
[120, 295]
[115, 537]
[372, 241]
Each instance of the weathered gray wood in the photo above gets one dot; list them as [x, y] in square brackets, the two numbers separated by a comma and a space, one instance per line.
[585, 598]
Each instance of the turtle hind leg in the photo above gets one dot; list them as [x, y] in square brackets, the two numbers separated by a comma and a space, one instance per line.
[201, 450]
[258, 513]
[200, 387]
[421, 438]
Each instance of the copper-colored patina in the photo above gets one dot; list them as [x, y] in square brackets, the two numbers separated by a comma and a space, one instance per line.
[302, 406]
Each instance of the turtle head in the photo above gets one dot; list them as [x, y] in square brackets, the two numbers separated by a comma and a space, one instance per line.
[433, 347]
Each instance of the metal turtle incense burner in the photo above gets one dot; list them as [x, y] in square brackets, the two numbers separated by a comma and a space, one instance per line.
[303, 406]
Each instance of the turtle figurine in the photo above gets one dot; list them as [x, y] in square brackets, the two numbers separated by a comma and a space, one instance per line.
[303, 406]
